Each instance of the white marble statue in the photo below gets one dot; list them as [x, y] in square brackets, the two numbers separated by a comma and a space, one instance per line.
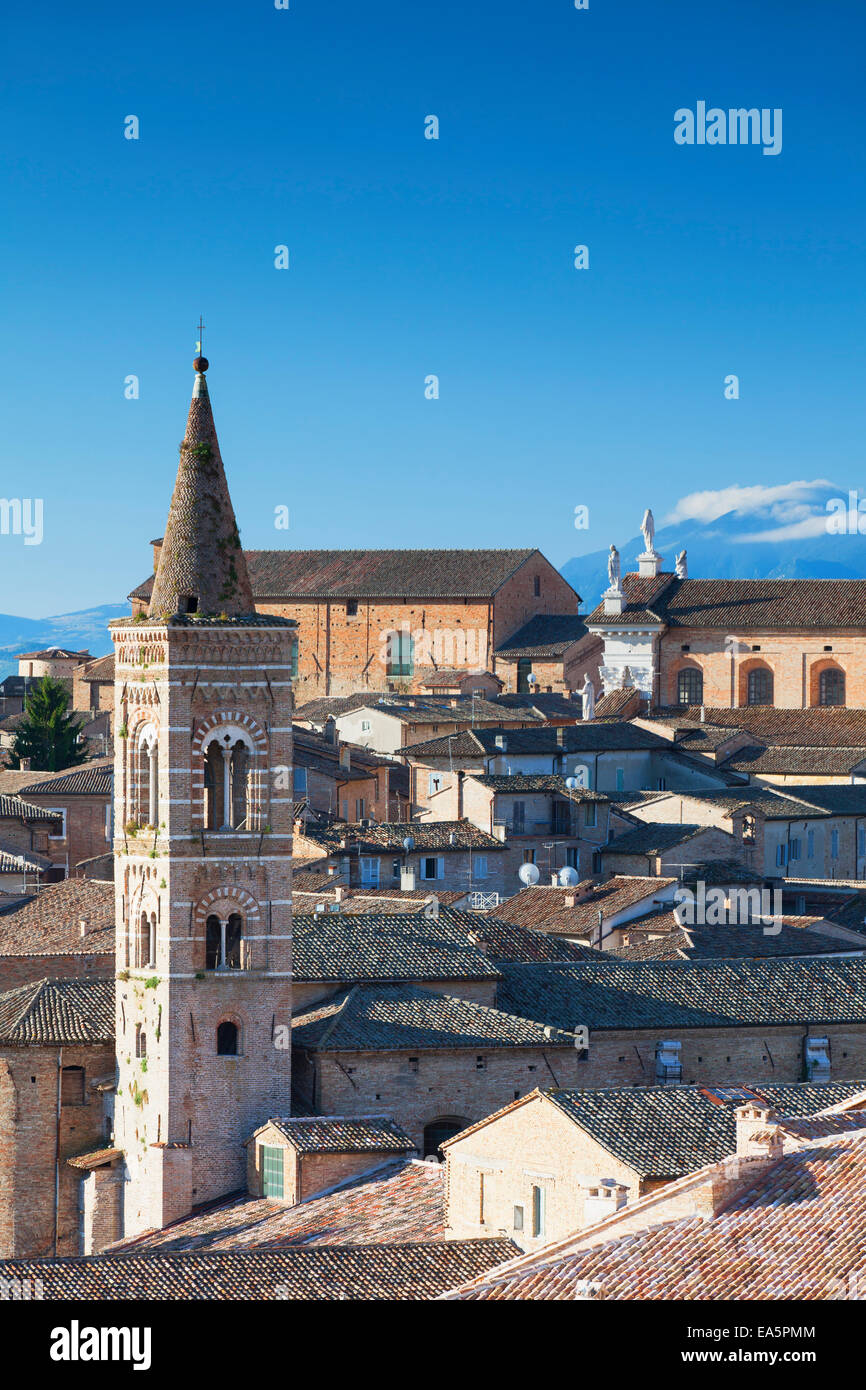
[613, 568]
[587, 696]
[682, 568]
[648, 530]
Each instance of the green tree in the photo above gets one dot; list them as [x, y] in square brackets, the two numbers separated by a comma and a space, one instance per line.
[48, 733]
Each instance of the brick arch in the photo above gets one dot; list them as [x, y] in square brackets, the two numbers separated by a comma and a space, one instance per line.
[234, 898]
[757, 663]
[827, 663]
[212, 723]
[684, 663]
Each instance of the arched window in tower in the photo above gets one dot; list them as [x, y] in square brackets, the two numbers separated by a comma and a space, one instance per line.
[213, 943]
[226, 782]
[759, 689]
[145, 940]
[690, 686]
[831, 687]
[227, 1039]
[224, 942]
[146, 799]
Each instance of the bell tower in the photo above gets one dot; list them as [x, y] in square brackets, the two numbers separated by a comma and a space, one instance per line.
[203, 850]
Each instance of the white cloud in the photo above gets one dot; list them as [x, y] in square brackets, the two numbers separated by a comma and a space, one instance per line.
[815, 525]
[788, 504]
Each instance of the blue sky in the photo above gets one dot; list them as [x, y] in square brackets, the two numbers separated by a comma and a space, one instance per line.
[558, 387]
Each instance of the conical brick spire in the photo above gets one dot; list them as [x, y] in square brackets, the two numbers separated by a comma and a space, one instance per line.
[201, 567]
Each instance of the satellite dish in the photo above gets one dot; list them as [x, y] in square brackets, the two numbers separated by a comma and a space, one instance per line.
[568, 876]
[532, 678]
[571, 783]
[408, 844]
[528, 875]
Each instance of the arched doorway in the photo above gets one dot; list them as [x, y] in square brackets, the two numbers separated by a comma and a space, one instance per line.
[439, 1130]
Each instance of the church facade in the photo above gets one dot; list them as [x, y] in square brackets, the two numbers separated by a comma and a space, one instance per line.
[790, 643]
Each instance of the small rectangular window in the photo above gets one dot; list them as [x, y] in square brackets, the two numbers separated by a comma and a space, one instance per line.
[365, 726]
[810, 844]
[590, 813]
[140, 1041]
[61, 812]
[360, 808]
[781, 855]
[480, 1064]
[413, 1063]
[481, 1199]
[293, 670]
[518, 1218]
[795, 849]
[479, 866]
[536, 586]
[834, 844]
[620, 779]
[351, 607]
[299, 781]
[434, 783]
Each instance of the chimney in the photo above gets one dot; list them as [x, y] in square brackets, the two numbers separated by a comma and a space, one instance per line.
[571, 900]
[560, 735]
[407, 881]
[554, 879]
[338, 893]
[345, 757]
[82, 926]
[601, 1198]
[759, 1134]
[25, 764]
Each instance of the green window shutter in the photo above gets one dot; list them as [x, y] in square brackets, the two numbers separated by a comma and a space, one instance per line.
[272, 1170]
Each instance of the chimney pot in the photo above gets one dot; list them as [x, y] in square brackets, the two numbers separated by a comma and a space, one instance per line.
[82, 926]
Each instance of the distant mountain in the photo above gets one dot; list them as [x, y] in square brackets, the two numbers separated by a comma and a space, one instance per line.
[723, 549]
[84, 631]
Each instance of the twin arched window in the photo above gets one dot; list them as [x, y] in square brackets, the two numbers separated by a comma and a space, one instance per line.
[225, 948]
[226, 771]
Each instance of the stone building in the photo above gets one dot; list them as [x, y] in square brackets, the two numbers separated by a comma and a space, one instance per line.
[65, 931]
[293, 1159]
[434, 1061]
[82, 798]
[57, 662]
[56, 1057]
[706, 1023]
[390, 618]
[203, 846]
[791, 643]
[555, 1161]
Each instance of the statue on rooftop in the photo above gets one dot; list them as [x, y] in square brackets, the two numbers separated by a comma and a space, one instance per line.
[648, 530]
[613, 570]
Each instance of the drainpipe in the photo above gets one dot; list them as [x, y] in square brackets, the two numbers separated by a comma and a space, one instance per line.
[57, 1152]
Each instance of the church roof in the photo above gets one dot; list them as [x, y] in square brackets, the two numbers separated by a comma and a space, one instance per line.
[201, 559]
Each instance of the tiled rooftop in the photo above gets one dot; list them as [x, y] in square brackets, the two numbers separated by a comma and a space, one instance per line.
[319, 1272]
[340, 1134]
[797, 1231]
[50, 922]
[56, 1012]
[401, 1200]
[400, 1017]
[688, 994]
[574, 911]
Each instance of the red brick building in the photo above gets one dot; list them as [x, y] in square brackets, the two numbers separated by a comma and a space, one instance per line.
[387, 619]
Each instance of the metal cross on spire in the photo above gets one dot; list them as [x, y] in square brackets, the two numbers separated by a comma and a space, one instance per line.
[198, 346]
